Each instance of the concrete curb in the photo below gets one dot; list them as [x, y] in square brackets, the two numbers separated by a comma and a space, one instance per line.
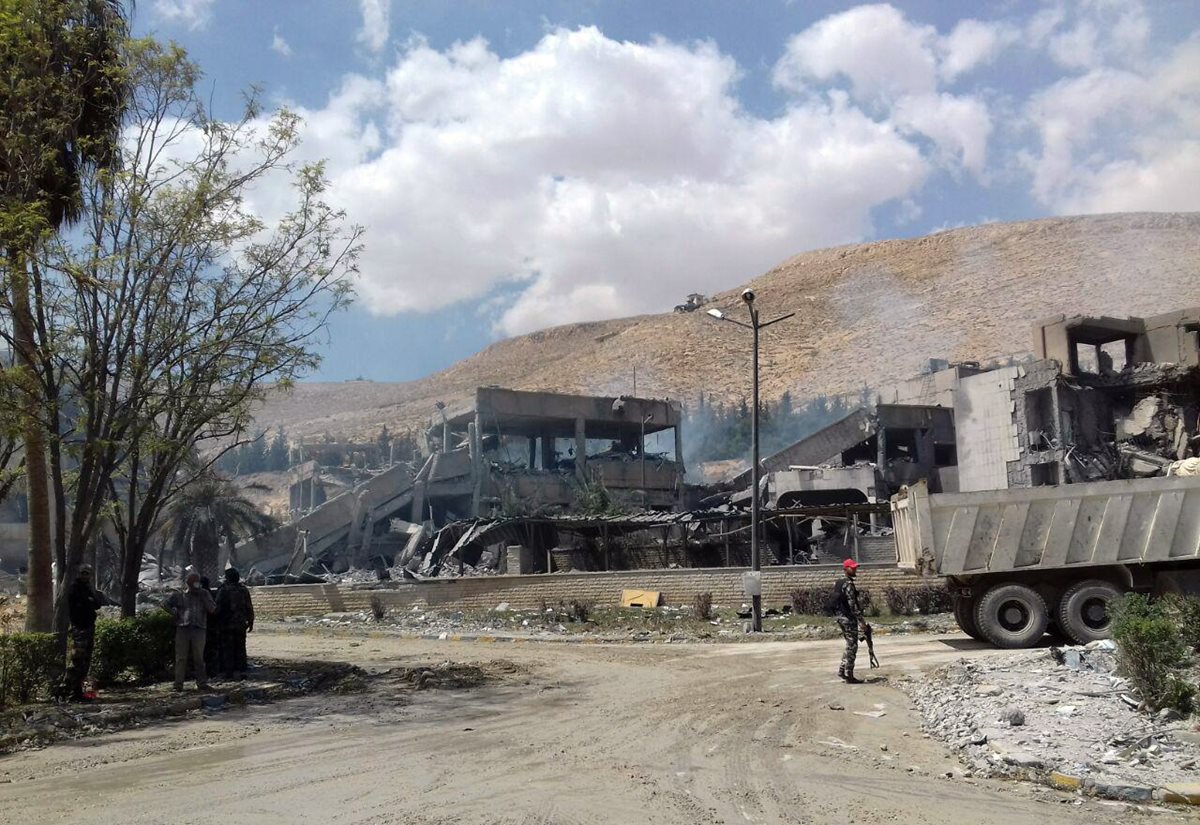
[1181, 793]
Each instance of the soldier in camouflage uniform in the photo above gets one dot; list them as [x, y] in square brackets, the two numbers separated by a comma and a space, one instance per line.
[849, 615]
[235, 615]
[83, 601]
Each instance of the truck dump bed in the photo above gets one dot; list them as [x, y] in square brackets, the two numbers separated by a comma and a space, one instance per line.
[1075, 525]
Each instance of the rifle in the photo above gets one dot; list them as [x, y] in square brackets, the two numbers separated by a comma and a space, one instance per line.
[868, 637]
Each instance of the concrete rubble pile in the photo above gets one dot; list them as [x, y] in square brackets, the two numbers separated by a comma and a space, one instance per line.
[1061, 716]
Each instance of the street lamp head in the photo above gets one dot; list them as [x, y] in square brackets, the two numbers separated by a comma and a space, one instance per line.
[716, 313]
[748, 296]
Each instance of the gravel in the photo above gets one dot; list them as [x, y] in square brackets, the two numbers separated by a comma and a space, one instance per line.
[1061, 710]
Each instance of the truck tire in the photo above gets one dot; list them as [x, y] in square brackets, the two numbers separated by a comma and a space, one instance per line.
[1012, 615]
[964, 614]
[1083, 611]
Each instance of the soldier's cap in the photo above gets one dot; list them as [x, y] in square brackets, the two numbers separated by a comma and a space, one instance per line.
[849, 564]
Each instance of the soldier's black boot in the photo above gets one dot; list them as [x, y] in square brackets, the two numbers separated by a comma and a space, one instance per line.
[850, 679]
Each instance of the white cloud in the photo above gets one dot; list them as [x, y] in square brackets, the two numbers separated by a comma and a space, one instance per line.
[876, 48]
[1115, 139]
[894, 67]
[194, 14]
[279, 45]
[958, 125]
[971, 44]
[594, 177]
[1086, 34]
[376, 18]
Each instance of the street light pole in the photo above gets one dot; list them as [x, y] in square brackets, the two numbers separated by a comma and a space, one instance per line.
[755, 553]
[755, 521]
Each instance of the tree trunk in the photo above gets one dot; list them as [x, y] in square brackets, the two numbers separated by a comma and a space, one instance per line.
[206, 547]
[39, 616]
[131, 568]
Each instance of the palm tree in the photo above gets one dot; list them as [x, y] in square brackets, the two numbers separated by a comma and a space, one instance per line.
[62, 100]
[207, 512]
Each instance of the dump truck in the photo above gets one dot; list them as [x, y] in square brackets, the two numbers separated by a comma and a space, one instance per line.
[1023, 562]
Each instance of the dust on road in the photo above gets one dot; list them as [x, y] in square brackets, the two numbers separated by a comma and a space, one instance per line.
[567, 734]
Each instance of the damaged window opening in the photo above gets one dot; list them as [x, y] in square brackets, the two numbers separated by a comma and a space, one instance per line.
[945, 455]
[1039, 419]
[1087, 359]
[1114, 356]
[901, 443]
[1044, 475]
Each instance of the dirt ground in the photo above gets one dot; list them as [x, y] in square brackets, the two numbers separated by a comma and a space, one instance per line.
[566, 733]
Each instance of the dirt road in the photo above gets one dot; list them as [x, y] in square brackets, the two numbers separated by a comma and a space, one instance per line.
[581, 733]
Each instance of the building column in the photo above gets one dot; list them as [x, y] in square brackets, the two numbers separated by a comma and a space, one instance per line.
[580, 449]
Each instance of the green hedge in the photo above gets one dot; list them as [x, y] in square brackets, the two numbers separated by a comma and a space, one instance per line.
[140, 649]
[29, 667]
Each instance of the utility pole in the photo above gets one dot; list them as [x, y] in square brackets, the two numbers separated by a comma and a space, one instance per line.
[755, 504]
[642, 455]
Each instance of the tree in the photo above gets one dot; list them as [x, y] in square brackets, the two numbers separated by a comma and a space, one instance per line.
[174, 308]
[277, 453]
[61, 106]
[208, 511]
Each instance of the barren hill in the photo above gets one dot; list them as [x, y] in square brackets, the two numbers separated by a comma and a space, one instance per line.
[865, 314]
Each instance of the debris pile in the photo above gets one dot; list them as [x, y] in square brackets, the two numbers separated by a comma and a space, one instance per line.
[1060, 715]
[662, 624]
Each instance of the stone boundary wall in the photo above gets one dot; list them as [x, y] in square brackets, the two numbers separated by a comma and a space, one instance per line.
[678, 587]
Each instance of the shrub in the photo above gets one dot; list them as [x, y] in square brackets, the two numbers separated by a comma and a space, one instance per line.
[579, 611]
[30, 667]
[815, 601]
[139, 649]
[1185, 610]
[702, 606]
[924, 599]
[378, 609]
[1150, 652]
[811, 601]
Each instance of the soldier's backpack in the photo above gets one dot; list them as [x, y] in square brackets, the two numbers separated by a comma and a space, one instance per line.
[834, 599]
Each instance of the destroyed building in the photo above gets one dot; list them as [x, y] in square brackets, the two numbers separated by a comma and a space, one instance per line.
[507, 453]
[1099, 398]
[1102, 398]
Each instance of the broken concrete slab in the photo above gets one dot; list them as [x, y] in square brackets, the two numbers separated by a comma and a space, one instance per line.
[1182, 793]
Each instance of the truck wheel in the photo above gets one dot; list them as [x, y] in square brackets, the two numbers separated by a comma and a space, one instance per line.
[1083, 612]
[964, 614]
[1012, 615]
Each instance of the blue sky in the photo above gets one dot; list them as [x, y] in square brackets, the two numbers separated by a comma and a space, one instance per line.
[522, 164]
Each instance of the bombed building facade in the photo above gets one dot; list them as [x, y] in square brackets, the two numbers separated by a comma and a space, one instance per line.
[508, 454]
[570, 482]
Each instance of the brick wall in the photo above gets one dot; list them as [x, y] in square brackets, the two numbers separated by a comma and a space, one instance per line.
[523, 592]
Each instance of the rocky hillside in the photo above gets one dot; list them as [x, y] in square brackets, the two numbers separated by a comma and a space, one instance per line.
[865, 314]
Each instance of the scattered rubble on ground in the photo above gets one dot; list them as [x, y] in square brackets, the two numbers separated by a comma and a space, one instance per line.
[118, 708]
[37, 725]
[1058, 715]
[661, 624]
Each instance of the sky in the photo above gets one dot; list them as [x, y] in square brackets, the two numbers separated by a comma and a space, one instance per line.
[519, 165]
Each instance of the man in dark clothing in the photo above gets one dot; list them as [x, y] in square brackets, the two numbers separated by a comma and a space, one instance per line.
[235, 614]
[191, 608]
[83, 601]
[849, 615]
[212, 638]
